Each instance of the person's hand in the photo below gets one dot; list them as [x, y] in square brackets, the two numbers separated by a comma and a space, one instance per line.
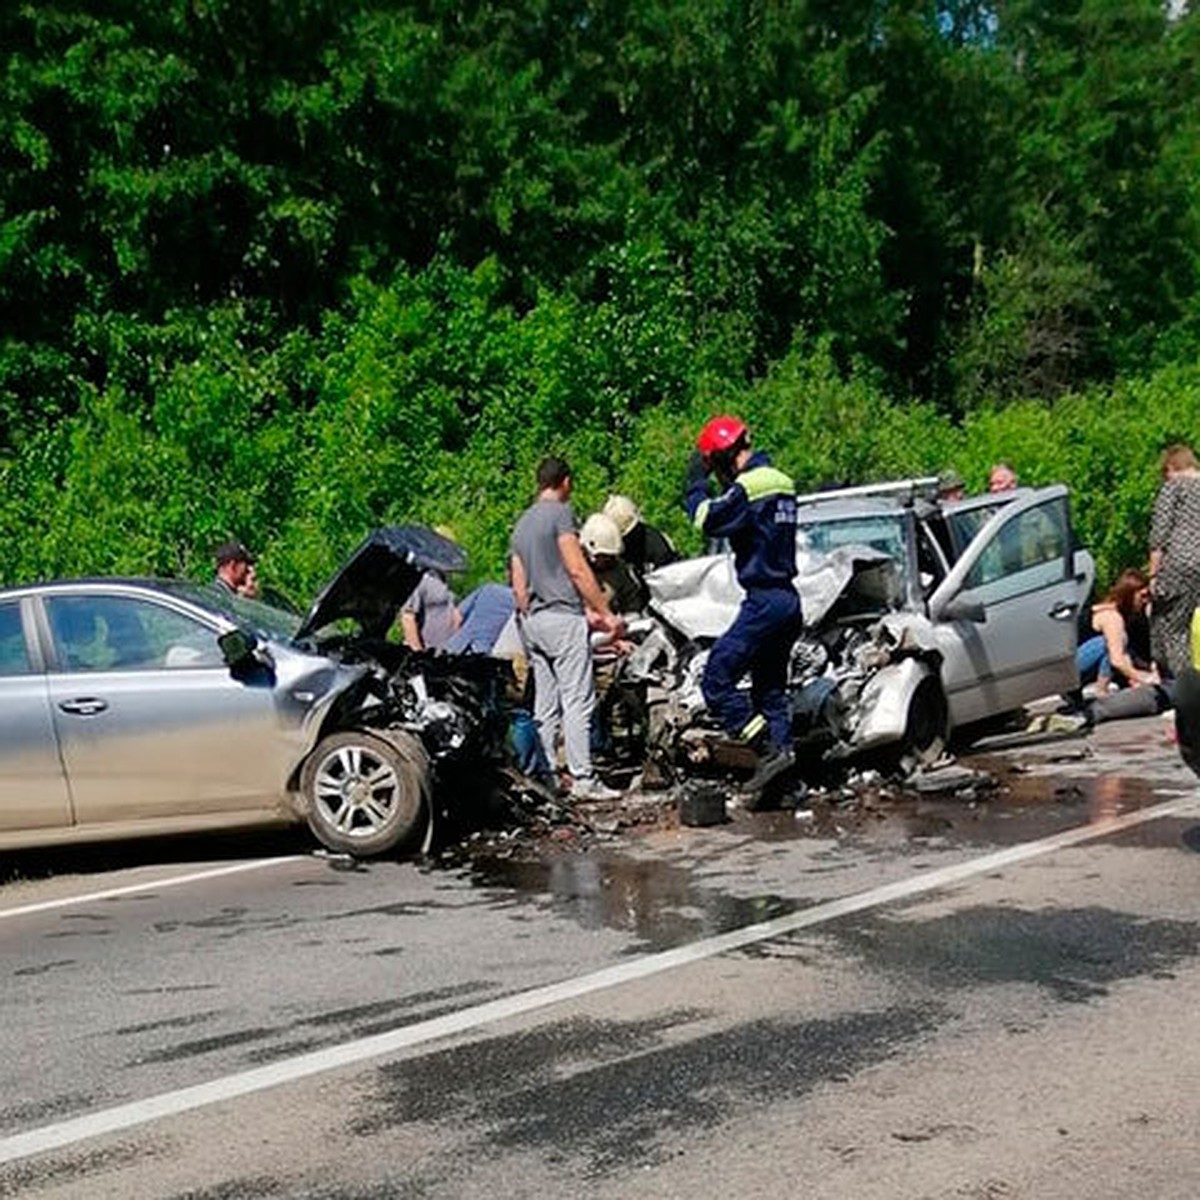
[250, 586]
[697, 469]
[613, 625]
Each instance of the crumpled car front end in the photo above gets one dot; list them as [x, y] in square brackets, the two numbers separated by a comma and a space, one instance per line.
[855, 673]
[394, 726]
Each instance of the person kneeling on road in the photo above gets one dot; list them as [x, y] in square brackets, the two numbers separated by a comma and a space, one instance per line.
[756, 512]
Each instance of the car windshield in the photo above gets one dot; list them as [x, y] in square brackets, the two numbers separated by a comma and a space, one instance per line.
[263, 618]
[880, 531]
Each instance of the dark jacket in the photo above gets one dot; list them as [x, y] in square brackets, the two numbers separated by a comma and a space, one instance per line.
[647, 548]
[757, 513]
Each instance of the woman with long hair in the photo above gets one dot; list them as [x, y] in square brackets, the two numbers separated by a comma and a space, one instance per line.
[1175, 559]
[1105, 657]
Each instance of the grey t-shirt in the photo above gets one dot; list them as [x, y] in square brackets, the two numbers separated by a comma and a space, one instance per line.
[535, 542]
[433, 603]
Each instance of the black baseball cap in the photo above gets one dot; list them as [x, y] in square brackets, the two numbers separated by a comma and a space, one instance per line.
[228, 552]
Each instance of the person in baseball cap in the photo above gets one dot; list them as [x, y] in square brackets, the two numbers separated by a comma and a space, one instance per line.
[235, 565]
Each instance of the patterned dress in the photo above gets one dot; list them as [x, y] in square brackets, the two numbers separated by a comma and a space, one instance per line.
[1175, 531]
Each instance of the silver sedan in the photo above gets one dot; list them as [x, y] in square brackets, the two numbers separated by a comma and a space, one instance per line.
[130, 707]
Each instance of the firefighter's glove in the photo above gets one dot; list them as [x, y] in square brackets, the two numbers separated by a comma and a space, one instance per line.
[697, 471]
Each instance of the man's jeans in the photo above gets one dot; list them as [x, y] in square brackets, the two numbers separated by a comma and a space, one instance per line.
[564, 691]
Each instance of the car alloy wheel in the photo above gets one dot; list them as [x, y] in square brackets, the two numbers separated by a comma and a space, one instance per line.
[365, 791]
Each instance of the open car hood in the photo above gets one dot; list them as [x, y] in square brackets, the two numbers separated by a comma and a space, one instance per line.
[379, 576]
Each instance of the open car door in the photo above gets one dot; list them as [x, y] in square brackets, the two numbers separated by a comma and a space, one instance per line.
[1005, 616]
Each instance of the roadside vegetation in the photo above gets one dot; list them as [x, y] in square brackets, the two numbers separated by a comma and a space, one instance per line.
[291, 269]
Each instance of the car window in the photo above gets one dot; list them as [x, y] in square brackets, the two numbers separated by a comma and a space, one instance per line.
[121, 633]
[967, 523]
[14, 655]
[1028, 552]
[880, 531]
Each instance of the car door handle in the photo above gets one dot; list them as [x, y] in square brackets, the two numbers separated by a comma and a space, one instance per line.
[1064, 611]
[84, 706]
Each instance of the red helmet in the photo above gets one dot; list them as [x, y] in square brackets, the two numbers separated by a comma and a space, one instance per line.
[720, 435]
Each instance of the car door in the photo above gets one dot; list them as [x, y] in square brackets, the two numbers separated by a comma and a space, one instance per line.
[1017, 575]
[33, 787]
[151, 723]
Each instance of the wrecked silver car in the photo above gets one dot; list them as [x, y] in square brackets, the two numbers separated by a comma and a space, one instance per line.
[920, 620]
[131, 707]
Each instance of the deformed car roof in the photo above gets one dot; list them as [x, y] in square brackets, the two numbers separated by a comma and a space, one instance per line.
[380, 575]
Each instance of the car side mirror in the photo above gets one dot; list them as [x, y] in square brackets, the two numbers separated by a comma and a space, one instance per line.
[238, 648]
[964, 608]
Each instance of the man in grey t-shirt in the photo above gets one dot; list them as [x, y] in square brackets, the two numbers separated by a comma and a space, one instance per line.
[429, 616]
[553, 583]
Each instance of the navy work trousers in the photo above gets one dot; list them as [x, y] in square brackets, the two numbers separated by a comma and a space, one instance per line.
[759, 641]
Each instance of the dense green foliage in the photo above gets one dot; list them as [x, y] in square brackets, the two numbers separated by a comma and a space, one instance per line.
[291, 268]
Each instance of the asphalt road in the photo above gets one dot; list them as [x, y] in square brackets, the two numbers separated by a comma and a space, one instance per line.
[988, 995]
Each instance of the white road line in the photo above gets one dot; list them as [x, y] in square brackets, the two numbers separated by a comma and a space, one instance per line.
[167, 1104]
[154, 885]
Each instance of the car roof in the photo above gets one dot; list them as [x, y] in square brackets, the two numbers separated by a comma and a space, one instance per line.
[95, 581]
[987, 500]
[810, 507]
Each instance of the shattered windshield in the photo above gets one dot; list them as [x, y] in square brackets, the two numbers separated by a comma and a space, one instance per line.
[881, 531]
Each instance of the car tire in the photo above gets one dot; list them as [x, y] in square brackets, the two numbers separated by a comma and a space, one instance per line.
[366, 792]
[926, 728]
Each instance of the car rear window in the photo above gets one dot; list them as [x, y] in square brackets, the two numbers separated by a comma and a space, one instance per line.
[14, 656]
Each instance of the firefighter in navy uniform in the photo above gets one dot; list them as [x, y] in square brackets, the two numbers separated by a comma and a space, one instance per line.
[756, 512]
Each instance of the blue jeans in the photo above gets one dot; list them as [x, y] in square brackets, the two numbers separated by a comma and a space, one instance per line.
[1092, 659]
[527, 746]
[759, 641]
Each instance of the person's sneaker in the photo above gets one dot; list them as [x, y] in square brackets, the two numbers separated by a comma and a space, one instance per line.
[592, 789]
[770, 766]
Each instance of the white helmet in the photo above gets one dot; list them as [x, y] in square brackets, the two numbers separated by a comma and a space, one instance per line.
[623, 511]
[600, 535]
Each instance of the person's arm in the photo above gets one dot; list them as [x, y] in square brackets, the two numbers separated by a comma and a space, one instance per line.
[1155, 563]
[520, 584]
[411, 630]
[1116, 641]
[720, 517]
[585, 583]
[695, 488]
[1160, 527]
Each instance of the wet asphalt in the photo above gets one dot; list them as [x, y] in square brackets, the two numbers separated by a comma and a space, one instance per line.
[1022, 1032]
